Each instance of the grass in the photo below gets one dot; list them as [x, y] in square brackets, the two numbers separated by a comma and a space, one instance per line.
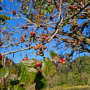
[69, 88]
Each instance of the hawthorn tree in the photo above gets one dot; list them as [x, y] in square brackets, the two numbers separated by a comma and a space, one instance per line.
[37, 24]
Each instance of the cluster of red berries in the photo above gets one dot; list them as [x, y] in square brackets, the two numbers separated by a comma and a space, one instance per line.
[24, 27]
[33, 34]
[41, 48]
[74, 44]
[44, 37]
[62, 61]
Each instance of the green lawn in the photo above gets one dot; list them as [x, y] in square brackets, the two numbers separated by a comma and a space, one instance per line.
[69, 88]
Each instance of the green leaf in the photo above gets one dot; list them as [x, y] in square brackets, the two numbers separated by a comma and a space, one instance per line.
[29, 63]
[66, 21]
[48, 68]
[50, 8]
[43, 11]
[4, 72]
[8, 18]
[3, 17]
[46, 6]
[27, 72]
[11, 18]
[10, 87]
[52, 54]
[61, 25]
[18, 88]
[72, 2]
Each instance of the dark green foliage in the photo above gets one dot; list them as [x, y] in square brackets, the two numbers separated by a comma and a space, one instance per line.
[40, 82]
[1, 66]
[15, 82]
[63, 68]
[75, 73]
[4, 17]
[81, 64]
[16, 87]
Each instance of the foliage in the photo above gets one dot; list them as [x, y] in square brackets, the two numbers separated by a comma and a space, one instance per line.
[4, 72]
[27, 70]
[48, 68]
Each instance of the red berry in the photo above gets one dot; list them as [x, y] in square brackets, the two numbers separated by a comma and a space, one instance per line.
[4, 32]
[87, 8]
[70, 7]
[46, 35]
[1, 43]
[31, 32]
[72, 41]
[25, 58]
[21, 37]
[35, 47]
[25, 35]
[59, 61]
[14, 12]
[22, 27]
[63, 59]
[0, 57]
[32, 29]
[74, 44]
[38, 63]
[63, 62]
[43, 37]
[75, 8]
[80, 40]
[44, 47]
[26, 27]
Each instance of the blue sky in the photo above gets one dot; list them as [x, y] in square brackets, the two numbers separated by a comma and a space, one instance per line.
[11, 6]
